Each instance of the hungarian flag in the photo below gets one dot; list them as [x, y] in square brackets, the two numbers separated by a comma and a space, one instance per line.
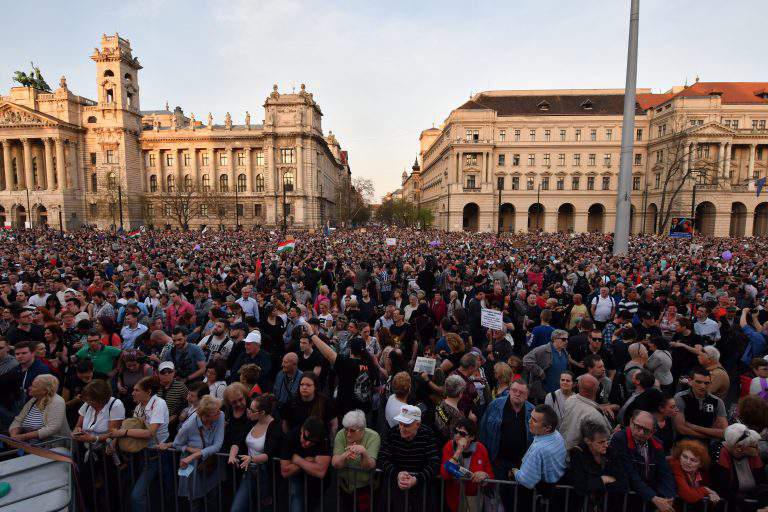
[285, 246]
[136, 233]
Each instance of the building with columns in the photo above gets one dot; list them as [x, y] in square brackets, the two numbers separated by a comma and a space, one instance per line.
[67, 160]
[549, 159]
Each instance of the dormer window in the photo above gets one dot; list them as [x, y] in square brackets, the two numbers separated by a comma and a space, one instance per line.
[763, 94]
[587, 105]
[543, 106]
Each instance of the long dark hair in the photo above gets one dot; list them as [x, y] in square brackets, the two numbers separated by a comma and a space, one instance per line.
[320, 402]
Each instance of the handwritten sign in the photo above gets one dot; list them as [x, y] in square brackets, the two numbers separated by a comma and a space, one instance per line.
[424, 364]
[492, 319]
[391, 241]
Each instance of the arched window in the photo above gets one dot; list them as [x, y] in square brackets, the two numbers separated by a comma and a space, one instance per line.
[206, 182]
[241, 183]
[259, 183]
[288, 181]
[224, 183]
[94, 183]
[152, 183]
[111, 181]
[187, 183]
[92, 119]
[109, 73]
[128, 77]
[171, 183]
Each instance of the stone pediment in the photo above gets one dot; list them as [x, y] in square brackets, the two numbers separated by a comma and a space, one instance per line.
[14, 115]
[711, 129]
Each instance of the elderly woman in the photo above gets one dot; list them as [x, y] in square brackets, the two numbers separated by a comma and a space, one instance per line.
[44, 415]
[198, 440]
[355, 449]
[447, 413]
[689, 464]
[739, 473]
[260, 443]
[593, 469]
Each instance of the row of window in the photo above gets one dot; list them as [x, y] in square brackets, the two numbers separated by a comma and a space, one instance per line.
[287, 156]
[242, 181]
[530, 183]
[205, 210]
[757, 124]
[473, 135]
[470, 159]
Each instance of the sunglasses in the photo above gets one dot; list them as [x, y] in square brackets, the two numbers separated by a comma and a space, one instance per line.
[596, 338]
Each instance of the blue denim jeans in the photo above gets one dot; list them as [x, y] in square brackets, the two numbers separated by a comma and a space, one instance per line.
[296, 493]
[140, 492]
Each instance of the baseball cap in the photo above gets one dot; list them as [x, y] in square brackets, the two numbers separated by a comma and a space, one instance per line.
[166, 365]
[253, 337]
[408, 414]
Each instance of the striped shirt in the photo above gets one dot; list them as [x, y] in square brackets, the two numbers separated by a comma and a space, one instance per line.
[34, 420]
[417, 456]
[544, 460]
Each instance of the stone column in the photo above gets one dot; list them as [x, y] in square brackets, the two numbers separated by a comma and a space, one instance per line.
[7, 163]
[270, 180]
[249, 186]
[727, 169]
[61, 164]
[195, 171]
[299, 165]
[749, 225]
[231, 170]
[76, 183]
[751, 164]
[212, 170]
[29, 182]
[162, 174]
[720, 158]
[49, 176]
[177, 156]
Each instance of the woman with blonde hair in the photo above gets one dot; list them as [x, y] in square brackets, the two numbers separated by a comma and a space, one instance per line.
[401, 388]
[44, 415]
[503, 374]
[638, 357]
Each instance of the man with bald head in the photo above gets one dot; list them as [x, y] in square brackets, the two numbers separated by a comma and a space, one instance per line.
[287, 380]
[581, 407]
[644, 463]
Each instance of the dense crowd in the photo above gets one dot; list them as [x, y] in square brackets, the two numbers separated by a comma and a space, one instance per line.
[367, 349]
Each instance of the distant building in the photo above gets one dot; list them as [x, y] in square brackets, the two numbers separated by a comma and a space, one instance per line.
[65, 157]
[549, 160]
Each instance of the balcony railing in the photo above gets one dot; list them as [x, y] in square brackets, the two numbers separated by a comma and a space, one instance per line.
[472, 189]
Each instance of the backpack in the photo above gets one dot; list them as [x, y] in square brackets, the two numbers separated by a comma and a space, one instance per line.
[363, 387]
[582, 285]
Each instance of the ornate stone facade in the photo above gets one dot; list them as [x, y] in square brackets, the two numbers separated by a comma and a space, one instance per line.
[71, 160]
[520, 160]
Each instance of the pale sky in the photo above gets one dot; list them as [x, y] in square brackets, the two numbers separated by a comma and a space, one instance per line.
[381, 71]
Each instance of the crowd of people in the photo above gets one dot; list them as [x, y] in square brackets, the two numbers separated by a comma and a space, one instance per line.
[371, 361]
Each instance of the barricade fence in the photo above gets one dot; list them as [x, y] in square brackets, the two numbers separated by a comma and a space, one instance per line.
[151, 480]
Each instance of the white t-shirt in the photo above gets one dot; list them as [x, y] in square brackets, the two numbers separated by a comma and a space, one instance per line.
[38, 301]
[603, 308]
[393, 409]
[97, 424]
[156, 412]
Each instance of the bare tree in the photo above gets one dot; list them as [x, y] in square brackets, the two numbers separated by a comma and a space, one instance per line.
[677, 169]
[353, 199]
[187, 202]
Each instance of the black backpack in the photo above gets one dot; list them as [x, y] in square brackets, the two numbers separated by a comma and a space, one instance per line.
[582, 286]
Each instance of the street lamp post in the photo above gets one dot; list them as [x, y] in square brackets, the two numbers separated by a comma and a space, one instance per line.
[237, 205]
[499, 185]
[623, 199]
[285, 214]
[28, 218]
[120, 204]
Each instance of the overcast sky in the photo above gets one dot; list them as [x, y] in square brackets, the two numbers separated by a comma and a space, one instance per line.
[381, 70]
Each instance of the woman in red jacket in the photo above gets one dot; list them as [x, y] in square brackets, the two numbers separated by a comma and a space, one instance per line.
[466, 459]
[690, 462]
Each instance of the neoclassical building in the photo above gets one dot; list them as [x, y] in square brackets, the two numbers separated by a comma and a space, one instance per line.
[549, 159]
[67, 160]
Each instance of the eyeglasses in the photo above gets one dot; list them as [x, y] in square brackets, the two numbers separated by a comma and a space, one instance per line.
[642, 429]
[596, 338]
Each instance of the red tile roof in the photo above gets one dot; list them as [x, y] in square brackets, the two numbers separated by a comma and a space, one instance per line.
[647, 101]
[731, 92]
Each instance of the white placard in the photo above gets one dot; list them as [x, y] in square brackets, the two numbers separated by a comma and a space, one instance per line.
[425, 364]
[391, 241]
[492, 319]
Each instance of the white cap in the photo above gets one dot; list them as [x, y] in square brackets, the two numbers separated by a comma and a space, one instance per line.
[253, 337]
[408, 414]
[166, 365]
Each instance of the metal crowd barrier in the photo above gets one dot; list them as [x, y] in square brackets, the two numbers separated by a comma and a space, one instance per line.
[107, 482]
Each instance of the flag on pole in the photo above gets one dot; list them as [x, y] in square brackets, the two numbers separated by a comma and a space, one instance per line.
[285, 246]
[257, 271]
[759, 184]
[136, 233]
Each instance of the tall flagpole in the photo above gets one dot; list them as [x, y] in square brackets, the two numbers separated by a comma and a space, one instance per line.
[623, 199]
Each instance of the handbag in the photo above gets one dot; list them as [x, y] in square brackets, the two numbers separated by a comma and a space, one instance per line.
[133, 444]
[208, 466]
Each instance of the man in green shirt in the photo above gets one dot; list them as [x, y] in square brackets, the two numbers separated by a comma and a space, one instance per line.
[103, 357]
[354, 454]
